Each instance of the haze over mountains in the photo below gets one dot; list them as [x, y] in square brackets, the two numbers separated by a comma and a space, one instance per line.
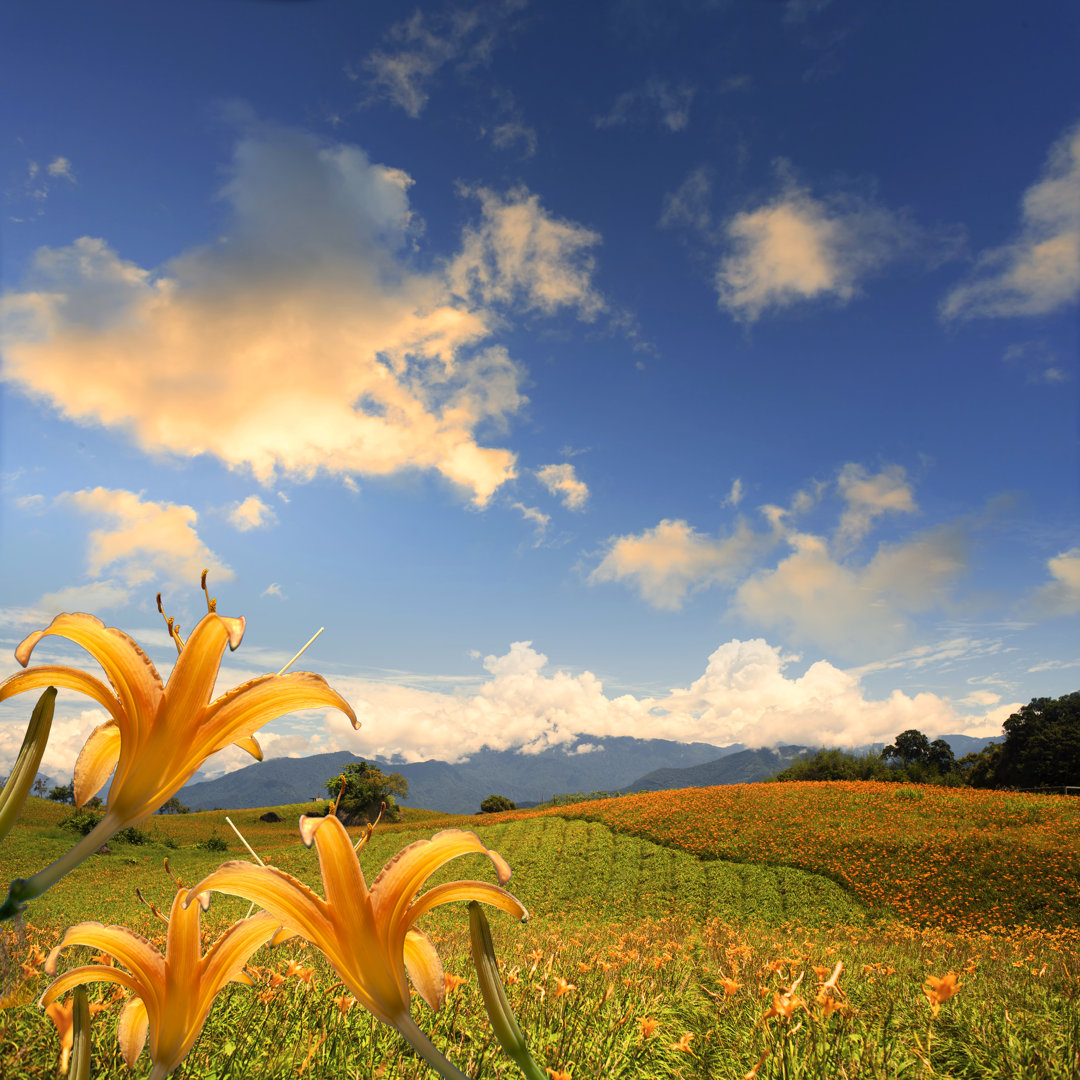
[620, 764]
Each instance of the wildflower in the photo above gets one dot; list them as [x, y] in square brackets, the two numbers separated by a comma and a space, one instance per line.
[649, 1024]
[562, 987]
[751, 1074]
[558, 1074]
[368, 934]
[171, 995]
[62, 1014]
[684, 1044]
[938, 991]
[156, 735]
[452, 982]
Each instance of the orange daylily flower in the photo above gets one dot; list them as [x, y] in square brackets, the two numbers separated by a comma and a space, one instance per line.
[171, 994]
[684, 1044]
[452, 982]
[938, 991]
[157, 734]
[649, 1024]
[562, 987]
[368, 934]
[61, 1013]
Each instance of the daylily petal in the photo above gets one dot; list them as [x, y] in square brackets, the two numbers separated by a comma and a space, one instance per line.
[193, 676]
[96, 760]
[294, 904]
[225, 959]
[466, 890]
[344, 888]
[132, 950]
[133, 676]
[251, 745]
[69, 678]
[425, 968]
[131, 1030]
[257, 702]
[183, 944]
[92, 973]
[403, 876]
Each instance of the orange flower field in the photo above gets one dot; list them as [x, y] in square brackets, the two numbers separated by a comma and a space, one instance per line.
[959, 858]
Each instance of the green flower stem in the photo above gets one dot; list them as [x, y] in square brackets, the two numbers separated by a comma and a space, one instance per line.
[426, 1049]
[498, 1008]
[80, 1046]
[23, 889]
[26, 766]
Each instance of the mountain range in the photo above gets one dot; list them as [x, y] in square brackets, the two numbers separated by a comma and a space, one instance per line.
[621, 764]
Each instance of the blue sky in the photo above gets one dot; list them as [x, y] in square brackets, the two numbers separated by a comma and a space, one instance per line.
[704, 371]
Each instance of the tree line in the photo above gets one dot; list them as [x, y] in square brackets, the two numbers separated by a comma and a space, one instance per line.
[1041, 748]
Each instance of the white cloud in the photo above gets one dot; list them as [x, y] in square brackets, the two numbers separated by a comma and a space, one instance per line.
[31, 504]
[817, 593]
[305, 341]
[539, 519]
[143, 542]
[1060, 595]
[93, 597]
[688, 205]
[672, 103]
[425, 43]
[61, 167]
[744, 695]
[735, 495]
[1039, 270]
[868, 497]
[252, 513]
[519, 252]
[67, 735]
[817, 598]
[799, 248]
[511, 133]
[562, 481]
[666, 562]
[273, 589]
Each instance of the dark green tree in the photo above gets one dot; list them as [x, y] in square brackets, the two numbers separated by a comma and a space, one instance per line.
[980, 769]
[495, 804]
[64, 793]
[366, 788]
[941, 757]
[174, 806]
[1042, 744]
[911, 746]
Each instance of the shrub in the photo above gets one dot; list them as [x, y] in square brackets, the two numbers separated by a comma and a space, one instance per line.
[212, 843]
[81, 821]
[131, 835]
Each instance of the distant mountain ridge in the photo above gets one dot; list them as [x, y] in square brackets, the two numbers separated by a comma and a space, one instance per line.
[619, 764]
[460, 788]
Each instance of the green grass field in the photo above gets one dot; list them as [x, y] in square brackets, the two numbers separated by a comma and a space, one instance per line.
[639, 960]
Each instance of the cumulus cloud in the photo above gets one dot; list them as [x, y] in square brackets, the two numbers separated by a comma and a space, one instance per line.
[817, 597]
[304, 341]
[868, 497]
[421, 45]
[657, 98]
[745, 694]
[521, 253]
[1061, 594]
[667, 562]
[562, 482]
[818, 592]
[250, 514]
[799, 248]
[1039, 270]
[140, 541]
[273, 589]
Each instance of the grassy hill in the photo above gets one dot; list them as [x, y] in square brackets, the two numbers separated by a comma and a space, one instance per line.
[666, 929]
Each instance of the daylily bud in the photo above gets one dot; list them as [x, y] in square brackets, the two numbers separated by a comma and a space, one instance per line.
[498, 1008]
[26, 766]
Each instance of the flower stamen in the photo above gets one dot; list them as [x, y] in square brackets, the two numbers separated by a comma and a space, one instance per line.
[211, 603]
